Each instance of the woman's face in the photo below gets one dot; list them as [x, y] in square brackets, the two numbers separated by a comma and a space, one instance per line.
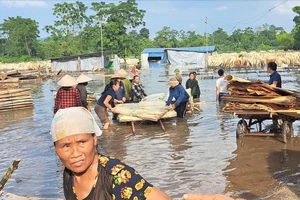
[77, 152]
[192, 76]
[116, 87]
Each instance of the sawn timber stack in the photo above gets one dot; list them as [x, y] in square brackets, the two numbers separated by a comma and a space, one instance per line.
[259, 96]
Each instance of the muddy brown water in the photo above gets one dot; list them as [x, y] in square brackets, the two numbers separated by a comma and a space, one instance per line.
[198, 154]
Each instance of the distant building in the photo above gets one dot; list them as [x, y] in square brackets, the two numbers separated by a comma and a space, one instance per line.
[84, 62]
[176, 55]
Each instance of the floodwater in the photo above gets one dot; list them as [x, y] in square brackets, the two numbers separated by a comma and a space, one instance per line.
[198, 154]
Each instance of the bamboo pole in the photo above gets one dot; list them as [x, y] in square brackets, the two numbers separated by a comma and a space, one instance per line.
[14, 91]
[9, 172]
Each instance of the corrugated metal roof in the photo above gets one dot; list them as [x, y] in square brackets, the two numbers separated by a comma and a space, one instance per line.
[153, 50]
[193, 49]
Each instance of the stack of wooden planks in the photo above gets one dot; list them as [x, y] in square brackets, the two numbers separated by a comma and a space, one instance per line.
[15, 99]
[260, 96]
[21, 74]
[11, 83]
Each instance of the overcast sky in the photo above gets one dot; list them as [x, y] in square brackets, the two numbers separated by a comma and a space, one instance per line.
[179, 15]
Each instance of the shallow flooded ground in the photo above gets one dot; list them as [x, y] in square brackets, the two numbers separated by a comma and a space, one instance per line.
[199, 154]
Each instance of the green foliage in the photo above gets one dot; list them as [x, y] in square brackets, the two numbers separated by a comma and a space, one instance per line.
[19, 36]
[15, 59]
[144, 33]
[296, 30]
[75, 31]
[285, 41]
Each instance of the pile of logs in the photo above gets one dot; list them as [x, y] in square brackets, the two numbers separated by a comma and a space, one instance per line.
[253, 96]
[15, 99]
[22, 75]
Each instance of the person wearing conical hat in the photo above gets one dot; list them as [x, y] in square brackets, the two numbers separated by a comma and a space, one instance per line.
[82, 83]
[177, 91]
[67, 96]
[120, 93]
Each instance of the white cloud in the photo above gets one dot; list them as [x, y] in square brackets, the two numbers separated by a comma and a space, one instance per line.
[286, 9]
[24, 3]
[221, 8]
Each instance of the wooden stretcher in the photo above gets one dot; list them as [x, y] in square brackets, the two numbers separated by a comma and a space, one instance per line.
[282, 123]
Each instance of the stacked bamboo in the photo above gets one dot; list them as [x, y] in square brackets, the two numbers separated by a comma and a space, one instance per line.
[253, 96]
[255, 59]
[15, 99]
[11, 83]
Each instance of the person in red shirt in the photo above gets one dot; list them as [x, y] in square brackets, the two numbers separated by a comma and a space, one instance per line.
[67, 96]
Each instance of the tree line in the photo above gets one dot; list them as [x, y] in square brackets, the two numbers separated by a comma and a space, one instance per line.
[75, 32]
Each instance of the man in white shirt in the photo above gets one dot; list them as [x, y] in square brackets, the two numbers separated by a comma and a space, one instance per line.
[221, 88]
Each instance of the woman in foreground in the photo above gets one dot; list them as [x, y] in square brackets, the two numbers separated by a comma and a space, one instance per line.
[92, 176]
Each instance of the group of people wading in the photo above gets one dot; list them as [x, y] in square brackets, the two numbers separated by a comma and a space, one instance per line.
[90, 175]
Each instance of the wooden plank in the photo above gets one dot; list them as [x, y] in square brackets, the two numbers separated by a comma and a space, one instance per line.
[10, 80]
[259, 134]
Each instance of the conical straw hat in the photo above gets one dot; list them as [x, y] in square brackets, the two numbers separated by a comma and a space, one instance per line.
[67, 81]
[83, 78]
[120, 74]
[173, 82]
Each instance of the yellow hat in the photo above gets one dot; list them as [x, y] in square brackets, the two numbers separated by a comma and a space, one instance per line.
[67, 81]
[83, 78]
[73, 121]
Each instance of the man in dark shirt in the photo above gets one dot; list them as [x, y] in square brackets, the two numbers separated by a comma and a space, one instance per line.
[275, 78]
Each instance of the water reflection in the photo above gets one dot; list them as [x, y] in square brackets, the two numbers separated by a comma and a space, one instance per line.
[9, 118]
[258, 164]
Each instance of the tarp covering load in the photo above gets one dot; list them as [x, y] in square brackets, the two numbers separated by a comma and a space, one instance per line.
[152, 108]
[183, 58]
[259, 96]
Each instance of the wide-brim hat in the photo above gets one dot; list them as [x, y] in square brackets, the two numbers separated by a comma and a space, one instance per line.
[120, 74]
[173, 82]
[83, 78]
[67, 81]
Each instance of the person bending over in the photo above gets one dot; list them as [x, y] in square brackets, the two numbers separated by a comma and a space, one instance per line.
[177, 91]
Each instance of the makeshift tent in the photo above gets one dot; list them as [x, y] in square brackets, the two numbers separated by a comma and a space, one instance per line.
[175, 57]
[160, 54]
[79, 62]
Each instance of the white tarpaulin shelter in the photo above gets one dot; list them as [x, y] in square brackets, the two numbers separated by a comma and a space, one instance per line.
[182, 58]
[78, 63]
